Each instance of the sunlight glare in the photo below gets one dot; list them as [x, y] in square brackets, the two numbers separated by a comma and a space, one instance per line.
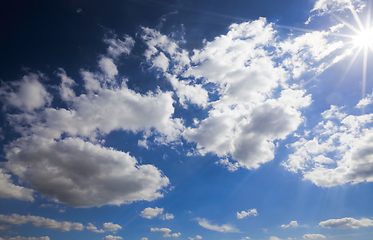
[364, 38]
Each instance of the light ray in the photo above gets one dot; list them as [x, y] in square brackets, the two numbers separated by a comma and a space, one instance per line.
[367, 24]
[346, 23]
[350, 64]
[365, 60]
[357, 19]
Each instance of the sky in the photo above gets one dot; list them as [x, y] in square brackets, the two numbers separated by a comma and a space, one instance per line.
[186, 119]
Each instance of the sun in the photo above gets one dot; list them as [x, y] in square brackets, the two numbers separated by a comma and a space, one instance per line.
[363, 39]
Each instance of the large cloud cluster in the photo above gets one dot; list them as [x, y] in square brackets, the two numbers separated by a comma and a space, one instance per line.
[337, 151]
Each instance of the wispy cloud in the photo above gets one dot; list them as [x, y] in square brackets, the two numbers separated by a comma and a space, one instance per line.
[219, 228]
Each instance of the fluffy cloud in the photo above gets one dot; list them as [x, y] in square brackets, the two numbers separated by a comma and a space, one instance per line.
[10, 190]
[110, 237]
[83, 174]
[250, 212]
[223, 228]
[93, 228]
[347, 223]
[27, 94]
[144, 238]
[247, 119]
[41, 222]
[338, 150]
[111, 227]
[118, 47]
[150, 213]
[313, 236]
[165, 232]
[291, 224]
[335, 5]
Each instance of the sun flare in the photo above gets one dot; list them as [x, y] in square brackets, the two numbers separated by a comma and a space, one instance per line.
[364, 38]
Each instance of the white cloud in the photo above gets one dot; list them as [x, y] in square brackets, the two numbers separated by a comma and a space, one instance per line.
[66, 93]
[41, 222]
[334, 5]
[274, 238]
[93, 228]
[144, 238]
[108, 67]
[165, 232]
[29, 238]
[111, 227]
[196, 237]
[347, 223]
[83, 174]
[250, 212]
[223, 228]
[27, 94]
[118, 47]
[291, 224]
[313, 236]
[110, 237]
[347, 138]
[10, 190]
[4, 227]
[245, 238]
[150, 213]
[246, 75]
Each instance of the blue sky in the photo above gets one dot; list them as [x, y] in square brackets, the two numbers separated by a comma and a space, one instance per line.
[180, 119]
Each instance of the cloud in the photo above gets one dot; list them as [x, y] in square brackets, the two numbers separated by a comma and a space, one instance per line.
[250, 212]
[196, 237]
[291, 224]
[165, 232]
[108, 67]
[274, 238]
[4, 227]
[111, 227]
[10, 190]
[348, 138]
[27, 94]
[223, 228]
[83, 174]
[93, 228]
[150, 213]
[110, 237]
[335, 5]
[118, 47]
[144, 238]
[346, 223]
[313, 236]
[29, 238]
[37, 221]
[245, 238]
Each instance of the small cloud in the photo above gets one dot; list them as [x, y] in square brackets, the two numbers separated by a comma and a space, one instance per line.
[250, 212]
[313, 236]
[223, 228]
[291, 224]
[165, 232]
[111, 227]
[110, 237]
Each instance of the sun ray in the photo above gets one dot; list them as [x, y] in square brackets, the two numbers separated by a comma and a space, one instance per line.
[357, 19]
[350, 64]
[367, 24]
[346, 23]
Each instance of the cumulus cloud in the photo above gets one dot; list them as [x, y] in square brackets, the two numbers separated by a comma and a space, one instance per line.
[348, 138]
[150, 213]
[110, 237]
[10, 190]
[83, 174]
[313, 236]
[27, 94]
[250, 212]
[347, 223]
[37, 221]
[165, 231]
[219, 228]
[93, 228]
[291, 224]
[111, 227]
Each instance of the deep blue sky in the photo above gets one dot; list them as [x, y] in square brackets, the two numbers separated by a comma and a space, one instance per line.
[152, 119]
